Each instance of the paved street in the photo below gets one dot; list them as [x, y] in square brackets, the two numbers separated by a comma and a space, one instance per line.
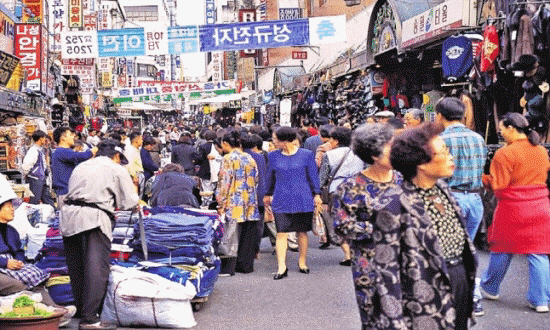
[324, 299]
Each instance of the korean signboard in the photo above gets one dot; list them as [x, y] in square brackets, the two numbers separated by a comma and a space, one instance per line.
[217, 66]
[28, 47]
[58, 23]
[220, 37]
[432, 23]
[7, 33]
[210, 11]
[75, 14]
[123, 42]
[82, 67]
[81, 44]
[44, 69]
[156, 42]
[37, 10]
[103, 20]
[183, 39]
[8, 63]
[290, 13]
[13, 101]
[90, 22]
[151, 88]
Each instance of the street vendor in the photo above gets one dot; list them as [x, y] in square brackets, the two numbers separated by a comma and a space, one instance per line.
[15, 274]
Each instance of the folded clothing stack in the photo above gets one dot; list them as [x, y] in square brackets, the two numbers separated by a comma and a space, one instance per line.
[123, 234]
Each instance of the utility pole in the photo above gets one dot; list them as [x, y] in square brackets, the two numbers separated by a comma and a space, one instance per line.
[172, 10]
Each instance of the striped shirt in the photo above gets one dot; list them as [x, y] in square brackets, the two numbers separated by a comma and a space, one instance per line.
[469, 152]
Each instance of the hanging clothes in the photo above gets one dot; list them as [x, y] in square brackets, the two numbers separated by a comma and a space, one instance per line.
[525, 42]
[490, 49]
[457, 58]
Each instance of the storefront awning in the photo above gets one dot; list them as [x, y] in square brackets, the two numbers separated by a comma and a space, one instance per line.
[218, 99]
[139, 106]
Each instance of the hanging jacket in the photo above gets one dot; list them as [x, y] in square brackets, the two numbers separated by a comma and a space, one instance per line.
[541, 31]
[524, 42]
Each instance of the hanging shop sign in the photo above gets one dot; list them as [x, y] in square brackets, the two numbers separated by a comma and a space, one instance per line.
[75, 14]
[383, 29]
[87, 83]
[170, 87]
[13, 101]
[262, 10]
[82, 44]
[248, 15]
[217, 66]
[432, 23]
[377, 81]
[290, 13]
[299, 55]
[36, 10]
[31, 42]
[90, 22]
[7, 33]
[224, 37]
[58, 21]
[8, 63]
[107, 79]
[79, 67]
[156, 42]
[103, 17]
[210, 11]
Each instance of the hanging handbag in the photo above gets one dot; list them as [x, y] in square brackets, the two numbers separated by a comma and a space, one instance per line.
[325, 190]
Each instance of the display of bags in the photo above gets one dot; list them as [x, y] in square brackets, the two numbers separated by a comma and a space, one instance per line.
[137, 298]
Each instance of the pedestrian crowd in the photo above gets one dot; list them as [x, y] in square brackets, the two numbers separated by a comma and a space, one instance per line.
[400, 198]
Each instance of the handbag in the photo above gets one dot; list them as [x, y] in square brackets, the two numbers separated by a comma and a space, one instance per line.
[325, 190]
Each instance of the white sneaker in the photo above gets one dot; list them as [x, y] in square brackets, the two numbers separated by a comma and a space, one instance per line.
[539, 309]
[66, 319]
[487, 295]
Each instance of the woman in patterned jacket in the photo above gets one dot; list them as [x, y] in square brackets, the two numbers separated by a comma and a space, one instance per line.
[417, 268]
[237, 199]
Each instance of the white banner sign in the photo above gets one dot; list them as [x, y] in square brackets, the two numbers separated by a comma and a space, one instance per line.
[326, 30]
[156, 42]
[80, 44]
[432, 22]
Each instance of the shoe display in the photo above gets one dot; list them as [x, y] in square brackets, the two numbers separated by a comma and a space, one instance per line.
[346, 262]
[280, 276]
[489, 296]
[97, 326]
[478, 309]
[539, 309]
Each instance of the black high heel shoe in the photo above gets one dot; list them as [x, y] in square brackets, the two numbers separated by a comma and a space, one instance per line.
[280, 276]
[304, 270]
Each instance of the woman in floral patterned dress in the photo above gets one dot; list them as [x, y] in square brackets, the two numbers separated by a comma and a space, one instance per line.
[354, 201]
[237, 199]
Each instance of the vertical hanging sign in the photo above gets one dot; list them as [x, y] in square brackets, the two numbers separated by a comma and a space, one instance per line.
[29, 50]
[210, 9]
[263, 18]
[75, 14]
[36, 9]
[248, 15]
[58, 23]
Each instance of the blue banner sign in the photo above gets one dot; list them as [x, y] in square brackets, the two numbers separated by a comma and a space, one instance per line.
[124, 42]
[254, 35]
[183, 39]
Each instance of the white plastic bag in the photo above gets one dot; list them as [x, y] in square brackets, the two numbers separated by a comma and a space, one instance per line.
[136, 298]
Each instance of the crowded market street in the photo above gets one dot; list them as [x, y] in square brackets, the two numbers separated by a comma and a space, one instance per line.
[324, 298]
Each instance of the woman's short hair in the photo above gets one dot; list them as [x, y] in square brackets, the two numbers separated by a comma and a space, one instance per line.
[324, 131]
[369, 140]
[342, 135]
[412, 148]
[286, 133]
[209, 135]
[172, 167]
[233, 138]
[521, 124]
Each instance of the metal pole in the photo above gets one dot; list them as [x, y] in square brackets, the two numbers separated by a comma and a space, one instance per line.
[172, 56]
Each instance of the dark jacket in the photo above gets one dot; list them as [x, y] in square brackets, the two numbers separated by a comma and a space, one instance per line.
[185, 155]
[525, 42]
[406, 279]
[149, 166]
[202, 160]
[10, 244]
[173, 189]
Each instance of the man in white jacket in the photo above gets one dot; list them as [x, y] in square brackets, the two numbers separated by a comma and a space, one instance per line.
[35, 170]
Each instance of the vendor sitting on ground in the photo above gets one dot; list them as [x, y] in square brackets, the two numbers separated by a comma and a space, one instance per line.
[15, 274]
[174, 188]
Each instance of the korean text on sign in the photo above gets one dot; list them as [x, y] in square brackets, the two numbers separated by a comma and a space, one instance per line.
[124, 42]
[183, 39]
[254, 35]
[82, 44]
[8, 63]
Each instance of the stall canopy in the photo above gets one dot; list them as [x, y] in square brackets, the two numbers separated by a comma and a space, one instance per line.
[221, 98]
[139, 106]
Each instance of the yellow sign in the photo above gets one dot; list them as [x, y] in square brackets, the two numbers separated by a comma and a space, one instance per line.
[206, 109]
[106, 80]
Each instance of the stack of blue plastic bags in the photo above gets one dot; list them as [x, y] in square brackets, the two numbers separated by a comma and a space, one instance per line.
[182, 243]
[51, 258]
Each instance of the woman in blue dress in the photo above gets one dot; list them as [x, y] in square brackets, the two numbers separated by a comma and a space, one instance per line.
[293, 193]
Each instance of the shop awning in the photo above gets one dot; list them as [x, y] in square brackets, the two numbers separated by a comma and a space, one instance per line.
[218, 99]
[139, 106]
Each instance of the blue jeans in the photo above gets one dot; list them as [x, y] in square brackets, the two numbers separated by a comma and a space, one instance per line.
[539, 276]
[472, 209]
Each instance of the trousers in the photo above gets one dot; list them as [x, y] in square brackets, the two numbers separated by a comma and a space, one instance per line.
[88, 262]
[249, 235]
[460, 291]
[538, 293]
[41, 192]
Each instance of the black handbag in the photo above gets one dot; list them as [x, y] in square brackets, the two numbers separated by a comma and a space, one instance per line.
[325, 194]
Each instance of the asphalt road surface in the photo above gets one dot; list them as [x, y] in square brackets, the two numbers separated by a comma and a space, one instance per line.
[324, 299]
